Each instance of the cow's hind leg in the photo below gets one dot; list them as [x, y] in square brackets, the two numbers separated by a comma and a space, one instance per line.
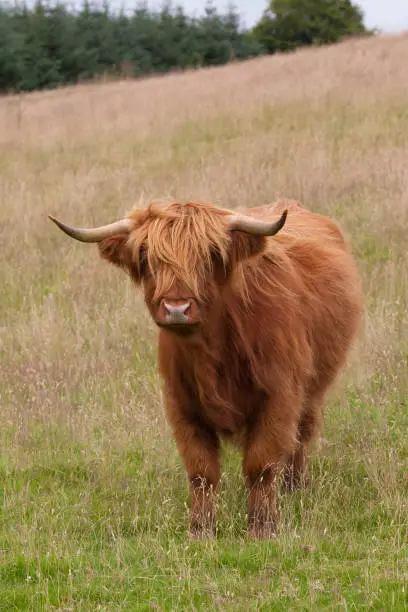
[296, 472]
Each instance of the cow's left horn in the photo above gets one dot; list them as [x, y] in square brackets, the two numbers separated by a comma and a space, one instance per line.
[257, 227]
[96, 234]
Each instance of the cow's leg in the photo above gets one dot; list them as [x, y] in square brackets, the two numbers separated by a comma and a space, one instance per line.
[297, 472]
[267, 450]
[199, 451]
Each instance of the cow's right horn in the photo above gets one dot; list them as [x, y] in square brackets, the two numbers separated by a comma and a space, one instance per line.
[257, 227]
[96, 234]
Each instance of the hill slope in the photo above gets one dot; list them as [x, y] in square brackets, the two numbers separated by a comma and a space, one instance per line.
[93, 494]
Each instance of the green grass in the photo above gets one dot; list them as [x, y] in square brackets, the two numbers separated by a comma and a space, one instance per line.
[100, 523]
[107, 530]
[93, 497]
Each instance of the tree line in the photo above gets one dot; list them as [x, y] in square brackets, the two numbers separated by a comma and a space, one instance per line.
[50, 44]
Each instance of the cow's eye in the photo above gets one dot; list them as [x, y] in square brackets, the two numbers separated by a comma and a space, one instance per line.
[215, 256]
[142, 264]
[219, 265]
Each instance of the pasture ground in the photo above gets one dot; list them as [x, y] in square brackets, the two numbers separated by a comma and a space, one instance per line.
[94, 501]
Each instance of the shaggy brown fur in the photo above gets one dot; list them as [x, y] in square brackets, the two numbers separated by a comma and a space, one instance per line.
[278, 316]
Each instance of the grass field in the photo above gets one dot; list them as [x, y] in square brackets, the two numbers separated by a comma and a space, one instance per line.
[94, 500]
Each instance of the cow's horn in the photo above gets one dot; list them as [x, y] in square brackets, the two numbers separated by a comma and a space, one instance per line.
[95, 234]
[257, 227]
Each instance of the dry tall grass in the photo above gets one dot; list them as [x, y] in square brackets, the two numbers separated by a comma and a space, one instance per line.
[93, 492]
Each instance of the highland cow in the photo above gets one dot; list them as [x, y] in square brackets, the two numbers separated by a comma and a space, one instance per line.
[257, 312]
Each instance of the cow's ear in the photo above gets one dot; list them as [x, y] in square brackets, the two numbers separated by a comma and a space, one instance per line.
[115, 250]
[119, 252]
[243, 246]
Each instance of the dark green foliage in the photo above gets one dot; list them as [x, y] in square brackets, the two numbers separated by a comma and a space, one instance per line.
[288, 24]
[47, 45]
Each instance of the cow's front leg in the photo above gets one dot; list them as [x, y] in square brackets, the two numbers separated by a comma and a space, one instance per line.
[261, 480]
[267, 449]
[199, 448]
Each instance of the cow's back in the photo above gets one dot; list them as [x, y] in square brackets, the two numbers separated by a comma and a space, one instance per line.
[327, 285]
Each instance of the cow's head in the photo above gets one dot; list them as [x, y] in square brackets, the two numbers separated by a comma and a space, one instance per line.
[183, 254]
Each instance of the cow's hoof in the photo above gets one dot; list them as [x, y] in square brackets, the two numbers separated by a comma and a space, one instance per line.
[197, 535]
[262, 532]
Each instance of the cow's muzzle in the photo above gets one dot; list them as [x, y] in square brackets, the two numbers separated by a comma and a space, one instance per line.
[178, 313]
